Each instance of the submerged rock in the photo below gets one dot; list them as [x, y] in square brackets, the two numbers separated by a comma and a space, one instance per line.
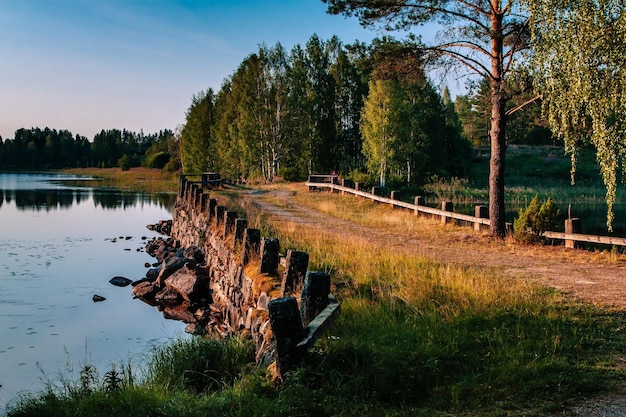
[97, 298]
[120, 281]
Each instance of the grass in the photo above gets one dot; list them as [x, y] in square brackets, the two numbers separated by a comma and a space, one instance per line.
[415, 338]
[135, 179]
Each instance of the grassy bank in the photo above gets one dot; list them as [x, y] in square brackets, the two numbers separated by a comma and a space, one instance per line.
[414, 338]
[135, 179]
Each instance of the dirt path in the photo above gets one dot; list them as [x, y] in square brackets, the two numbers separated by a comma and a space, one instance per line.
[588, 277]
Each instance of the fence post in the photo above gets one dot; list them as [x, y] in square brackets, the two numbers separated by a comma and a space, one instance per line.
[229, 222]
[211, 208]
[219, 215]
[395, 195]
[446, 206]
[314, 296]
[419, 201]
[480, 212]
[240, 228]
[287, 328]
[182, 183]
[295, 272]
[573, 226]
[251, 245]
[269, 255]
[376, 190]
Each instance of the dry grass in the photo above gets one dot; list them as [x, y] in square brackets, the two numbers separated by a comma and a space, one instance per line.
[135, 179]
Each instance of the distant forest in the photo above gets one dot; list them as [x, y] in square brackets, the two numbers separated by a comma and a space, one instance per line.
[366, 111]
[46, 148]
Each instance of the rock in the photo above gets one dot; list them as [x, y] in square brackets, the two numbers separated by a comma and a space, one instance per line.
[146, 291]
[152, 274]
[97, 298]
[195, 253]
[139, 281]
[147, 265]
[120, 281]
[170, 265]
[168, 296]
[190, 282]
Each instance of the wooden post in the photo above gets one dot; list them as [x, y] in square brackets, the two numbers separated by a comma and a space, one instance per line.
[229, 222]
[197, 203]
[219, 215]
[357, 186]
[287, 329]
[446, 206]
[480, 212]
[212, 206]
[419, 201]
[295, 272]
[240, 228]
[314, 297]
[204, 202]
[395, 195]
[182, 184]
[573, 226]
[376, 190]
[269, 255]
[251, 245]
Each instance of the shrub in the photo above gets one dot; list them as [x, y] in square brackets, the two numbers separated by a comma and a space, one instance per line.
[125, 162]
[534, 220]
[158, 160]
[289, 174]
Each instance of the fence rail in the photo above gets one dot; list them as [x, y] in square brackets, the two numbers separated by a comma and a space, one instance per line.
[569, 238]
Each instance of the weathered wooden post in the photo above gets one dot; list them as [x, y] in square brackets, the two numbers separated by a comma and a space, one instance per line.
[376, 190]
[182, 184]
[211, 209]
[295, 272]
[573, 226]
[446, 206]
[229, 223]
[357, 186]
[240, 228]
[314, 296]
[269, 255]
[395, 195]
[197, 202]
[251, 245]
[219, 215]
[204, 202]
[288, 331]
[419, 201]
[480, 212]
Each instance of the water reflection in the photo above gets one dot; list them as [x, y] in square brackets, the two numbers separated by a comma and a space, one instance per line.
[64, 199]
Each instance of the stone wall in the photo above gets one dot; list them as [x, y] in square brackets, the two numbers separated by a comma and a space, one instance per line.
[253, 288]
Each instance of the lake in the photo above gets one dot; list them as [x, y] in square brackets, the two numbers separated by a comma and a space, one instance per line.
[60, 245]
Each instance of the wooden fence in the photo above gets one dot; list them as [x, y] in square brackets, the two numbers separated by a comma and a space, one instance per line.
[480, 219]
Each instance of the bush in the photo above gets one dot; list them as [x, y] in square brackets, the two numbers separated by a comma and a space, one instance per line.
[534, 220]
[289, 174]
[158, 160]
[366, 180]
[125, 162]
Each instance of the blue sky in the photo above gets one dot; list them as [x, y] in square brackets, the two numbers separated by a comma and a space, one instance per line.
[87, 65]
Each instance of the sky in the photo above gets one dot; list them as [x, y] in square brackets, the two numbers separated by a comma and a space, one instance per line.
[88, 65]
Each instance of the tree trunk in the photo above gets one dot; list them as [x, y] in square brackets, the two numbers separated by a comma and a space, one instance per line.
[497, 133]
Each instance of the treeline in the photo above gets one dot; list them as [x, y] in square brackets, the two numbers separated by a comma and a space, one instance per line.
[46, 148]
[365, 111]
[290, 114]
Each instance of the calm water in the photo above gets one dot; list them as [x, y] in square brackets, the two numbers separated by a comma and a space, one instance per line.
[60, 245]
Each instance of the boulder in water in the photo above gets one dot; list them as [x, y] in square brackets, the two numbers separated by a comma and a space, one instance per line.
[120, 281]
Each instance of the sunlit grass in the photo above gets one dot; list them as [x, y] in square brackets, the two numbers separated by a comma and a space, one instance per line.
[134, 179]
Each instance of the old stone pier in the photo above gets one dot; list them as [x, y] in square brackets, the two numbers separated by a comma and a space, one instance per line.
[222, 277]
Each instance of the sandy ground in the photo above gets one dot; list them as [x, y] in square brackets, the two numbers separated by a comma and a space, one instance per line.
[594, 278]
